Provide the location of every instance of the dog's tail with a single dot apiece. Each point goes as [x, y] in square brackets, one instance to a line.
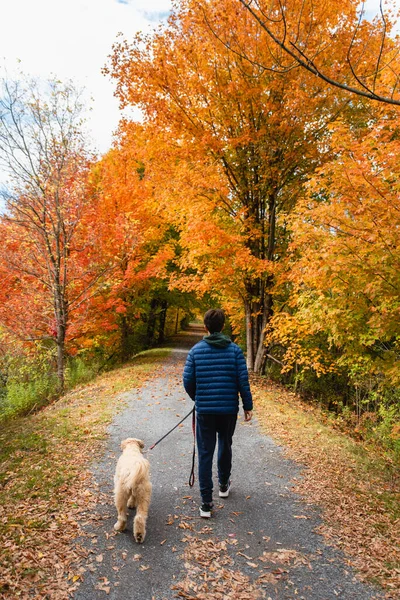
[135, 476]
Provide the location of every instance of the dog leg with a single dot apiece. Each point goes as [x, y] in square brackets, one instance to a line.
[121, 498]
[142, 510]
[139, 528]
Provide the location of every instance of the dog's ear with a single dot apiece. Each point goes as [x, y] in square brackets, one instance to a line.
[140, 444]
[124, 444]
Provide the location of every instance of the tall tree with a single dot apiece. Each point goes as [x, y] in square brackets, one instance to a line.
[240, 142]
[42, 149]
[136, 236]
[347, 256]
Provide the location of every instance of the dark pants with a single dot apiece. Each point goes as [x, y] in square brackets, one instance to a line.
[207, 428]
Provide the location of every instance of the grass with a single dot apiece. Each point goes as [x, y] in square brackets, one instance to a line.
[44, 483]
[356, 486]
[36, 388]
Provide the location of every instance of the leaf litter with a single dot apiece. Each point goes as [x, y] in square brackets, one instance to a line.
[210, 574]
[356, 518]
[41, 519]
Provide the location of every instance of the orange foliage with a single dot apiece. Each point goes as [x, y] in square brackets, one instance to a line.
[229, 147]
[131, 236]
[347, 251]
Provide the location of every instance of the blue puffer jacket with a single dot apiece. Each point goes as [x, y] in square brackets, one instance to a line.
[214, 375]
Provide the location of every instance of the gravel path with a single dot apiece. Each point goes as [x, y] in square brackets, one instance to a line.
[261, 542]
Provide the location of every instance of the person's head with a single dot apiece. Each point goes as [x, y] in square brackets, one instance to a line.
[214, 320]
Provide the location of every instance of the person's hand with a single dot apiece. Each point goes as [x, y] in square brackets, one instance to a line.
[248, 415]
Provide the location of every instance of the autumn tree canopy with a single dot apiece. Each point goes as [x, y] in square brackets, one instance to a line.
[247, 136]
[346, 254]
[333, 41]
[49, 268]
[252, 179]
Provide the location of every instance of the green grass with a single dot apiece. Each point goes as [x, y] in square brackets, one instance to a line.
[28, 444]
[25, 397]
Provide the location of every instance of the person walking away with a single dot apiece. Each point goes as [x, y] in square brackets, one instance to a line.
[215, 374]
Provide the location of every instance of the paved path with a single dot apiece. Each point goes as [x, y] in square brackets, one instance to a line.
[261, 543]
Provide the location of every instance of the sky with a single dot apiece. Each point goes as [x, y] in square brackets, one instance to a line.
[71, 39]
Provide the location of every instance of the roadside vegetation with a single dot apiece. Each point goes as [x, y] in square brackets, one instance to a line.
[45, 480]
[355, 483]
[46, 485]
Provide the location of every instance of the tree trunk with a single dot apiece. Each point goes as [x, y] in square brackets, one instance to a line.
[61, 319]
[261, 349]
[151, 322]
[125, 333]
[249, 337]
[60, 357]
[258, 306]
[163, 317]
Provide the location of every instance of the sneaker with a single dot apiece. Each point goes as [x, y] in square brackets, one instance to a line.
[224, 490]
[205, 510]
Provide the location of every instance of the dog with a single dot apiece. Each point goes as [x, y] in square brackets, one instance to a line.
[132, 487]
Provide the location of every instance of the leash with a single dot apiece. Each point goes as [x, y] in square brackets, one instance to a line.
[192, 412]
[191, 476]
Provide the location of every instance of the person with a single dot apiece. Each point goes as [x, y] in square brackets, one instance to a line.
[214, 375]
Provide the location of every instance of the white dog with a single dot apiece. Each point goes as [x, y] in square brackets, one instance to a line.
[132, 487]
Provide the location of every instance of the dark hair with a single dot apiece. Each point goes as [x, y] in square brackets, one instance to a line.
[214, 320]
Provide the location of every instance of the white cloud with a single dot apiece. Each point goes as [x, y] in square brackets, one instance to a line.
[72, 40]
[372, 7]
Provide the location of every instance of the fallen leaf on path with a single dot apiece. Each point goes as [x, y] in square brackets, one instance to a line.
[184, 525]
[104, 588]
[267, 578]
[245, 555]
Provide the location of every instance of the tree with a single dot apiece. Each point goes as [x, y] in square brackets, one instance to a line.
[331, 42]
[346, 259]
[43, 151]
[138, 239]
[234, 140]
